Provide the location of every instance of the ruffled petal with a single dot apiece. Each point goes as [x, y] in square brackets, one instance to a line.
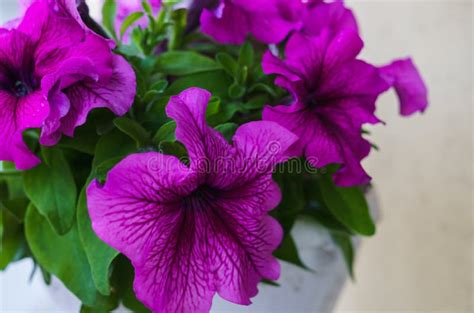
[409, 86]
[273, 65]
[60, 106]
[53, 35]
[332, 16]
[354, 88]
[116, 93]
[231, 21]
[265, 143]
[228, 23]
[337, 138]
[208, 151]
[270, 28]
[17, 115]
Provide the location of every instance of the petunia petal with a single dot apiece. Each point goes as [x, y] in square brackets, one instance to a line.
[207, 148]
[409, 86]
[52, 35]
[270, 28]
[273, 65]
[333, 16]
[115, 93]
[266, 143]
[186, 242]
[17, 115]
[228, 23]
[140, 195]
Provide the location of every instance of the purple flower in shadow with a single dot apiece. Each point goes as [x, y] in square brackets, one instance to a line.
[269, 21]
[193, 231]
[320, 16]
[53, 72]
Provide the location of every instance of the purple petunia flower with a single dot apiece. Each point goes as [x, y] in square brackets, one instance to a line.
[53, 72]
[334, 95]
[269, 21]
[401, 74]
[194, 231]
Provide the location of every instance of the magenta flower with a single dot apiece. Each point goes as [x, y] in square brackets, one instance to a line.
[53, 72]
[334, 95]
[194, 231]
[269, 21]
[333, 16]
[401, 74]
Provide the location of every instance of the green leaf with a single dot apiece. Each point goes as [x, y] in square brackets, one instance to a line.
[179, 18]
[264, 88]
[180, 63]
[327, 220]
[225, 113]
[227, 130]
[242, 75]
[62, 256]
[155, 115]
[317, 209]
[85, 139]
[174, 148]
[11, 237]
[236, 91]
[134, 131]
[3, 190]
[165, 133]
[112, 145]
[293, 200]
[216, 82]
[129, 20]
[9, 173]
[52, 189]
[270, 283]
[344, 242]
[228, 63]
[101, 171]
[348, 205]
[160, 85]
[150, 96]
[99, 254]
[147, 8]
[246, 55]
[109, 11]
[123, 280]
[287, 251]
[17, 207]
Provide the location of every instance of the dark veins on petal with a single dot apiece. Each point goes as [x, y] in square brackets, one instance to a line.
[200, 199]
[17, 77]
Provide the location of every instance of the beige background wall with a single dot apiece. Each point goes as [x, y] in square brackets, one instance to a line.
[421, 260]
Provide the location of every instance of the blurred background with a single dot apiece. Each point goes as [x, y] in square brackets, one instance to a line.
[421, 259]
